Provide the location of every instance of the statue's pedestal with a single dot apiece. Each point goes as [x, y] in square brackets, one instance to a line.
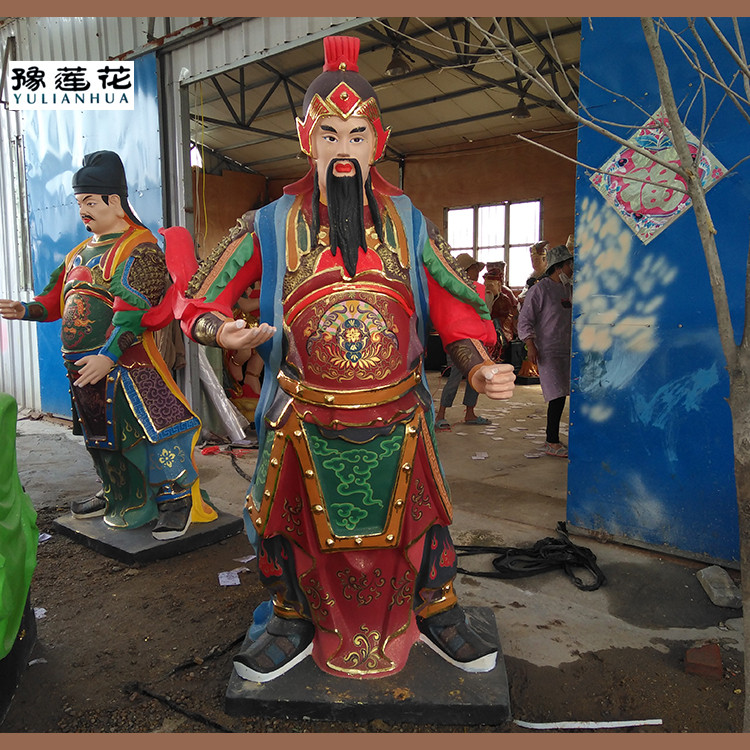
[428, 690]
[137, 545]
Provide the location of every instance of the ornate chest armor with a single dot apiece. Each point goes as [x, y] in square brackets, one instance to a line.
[351, 401]
[349, 361]
[87, 312]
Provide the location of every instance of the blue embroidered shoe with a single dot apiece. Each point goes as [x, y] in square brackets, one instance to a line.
[283, 645]
[451, 637]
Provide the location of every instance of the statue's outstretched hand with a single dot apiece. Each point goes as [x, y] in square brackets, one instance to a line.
[495, 381]
[235, 335]
[11, 310]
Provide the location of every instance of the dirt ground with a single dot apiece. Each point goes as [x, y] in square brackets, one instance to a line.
[149, 648]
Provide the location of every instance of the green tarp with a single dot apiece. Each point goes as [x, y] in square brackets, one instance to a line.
[18, 531]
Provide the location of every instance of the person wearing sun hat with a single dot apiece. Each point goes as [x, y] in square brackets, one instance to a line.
[545, 325]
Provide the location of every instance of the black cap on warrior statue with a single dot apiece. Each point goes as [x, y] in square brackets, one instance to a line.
[102, 173]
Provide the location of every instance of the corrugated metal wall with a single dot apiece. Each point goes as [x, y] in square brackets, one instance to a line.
[91, 38]
[250, 40]
[19, 366]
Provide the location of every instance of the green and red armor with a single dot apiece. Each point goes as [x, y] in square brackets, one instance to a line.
[348, 502]
[136, 423]
[348, 508]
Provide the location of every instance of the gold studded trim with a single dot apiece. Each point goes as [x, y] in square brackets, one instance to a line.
[294, 433]
[260, 515]
[83, 292]
[374, 287]
[402, 250]
[296, 245]
[360, 398]
[314, 416]
[440, 487]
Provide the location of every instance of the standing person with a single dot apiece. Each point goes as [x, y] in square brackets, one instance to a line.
[472, 268]
[138, 427]
[545, 325]
[527, 371]
[348, 510]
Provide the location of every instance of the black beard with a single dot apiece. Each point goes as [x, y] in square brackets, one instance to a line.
[346, 214]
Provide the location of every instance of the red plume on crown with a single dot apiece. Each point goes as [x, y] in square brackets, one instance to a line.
[341, 53]
[340, 91]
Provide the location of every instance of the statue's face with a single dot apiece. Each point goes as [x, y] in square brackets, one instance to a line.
[98, 216]
[539, 262]
[349, 140]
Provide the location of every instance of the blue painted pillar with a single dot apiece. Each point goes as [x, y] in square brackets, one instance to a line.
[651, 455]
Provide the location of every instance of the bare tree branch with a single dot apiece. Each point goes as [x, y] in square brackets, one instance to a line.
[530, 72]
[697, 194]
[735, 165]
[692, 58]
[743, 56]
[589, 167]
[717, 77]
[741, 63]
[635, 104]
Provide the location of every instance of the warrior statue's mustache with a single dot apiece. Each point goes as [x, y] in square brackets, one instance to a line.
[346, 214]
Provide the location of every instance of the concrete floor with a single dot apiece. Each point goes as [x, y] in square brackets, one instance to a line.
[504, 499]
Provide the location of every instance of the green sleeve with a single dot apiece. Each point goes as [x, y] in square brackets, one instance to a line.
[140, 282]
[441, 265]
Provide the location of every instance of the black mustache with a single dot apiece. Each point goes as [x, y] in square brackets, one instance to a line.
[346, 214]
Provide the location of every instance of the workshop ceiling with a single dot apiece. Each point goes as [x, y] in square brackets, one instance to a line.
[456, 91]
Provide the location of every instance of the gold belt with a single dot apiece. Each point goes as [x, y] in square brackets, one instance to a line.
[358, 398]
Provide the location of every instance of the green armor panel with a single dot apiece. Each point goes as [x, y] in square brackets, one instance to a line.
[356, 481]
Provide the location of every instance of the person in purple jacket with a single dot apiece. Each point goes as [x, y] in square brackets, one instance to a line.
[545, 325]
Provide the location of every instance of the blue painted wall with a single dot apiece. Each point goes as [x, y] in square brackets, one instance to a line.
[55, 143]
[651, 455]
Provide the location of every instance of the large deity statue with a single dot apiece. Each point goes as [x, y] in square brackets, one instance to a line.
[348, 509]
[138, 427]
